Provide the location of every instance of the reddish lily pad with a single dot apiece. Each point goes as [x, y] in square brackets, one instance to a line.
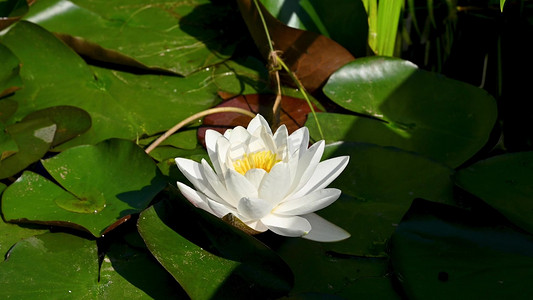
[293, 113]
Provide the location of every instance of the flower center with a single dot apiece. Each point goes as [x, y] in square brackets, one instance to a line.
[259, 160]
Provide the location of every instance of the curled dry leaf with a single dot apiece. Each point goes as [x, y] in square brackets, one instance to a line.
[311, 56]
[293, 112]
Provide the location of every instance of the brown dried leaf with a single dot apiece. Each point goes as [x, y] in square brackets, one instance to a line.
[311, 56]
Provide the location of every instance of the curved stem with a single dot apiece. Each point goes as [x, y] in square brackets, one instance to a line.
[194, 117]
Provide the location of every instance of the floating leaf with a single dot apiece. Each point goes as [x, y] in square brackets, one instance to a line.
[70, 121]
[12, 233]
[441, 252]
[344, 22]
[505, 183]
[8, 146]
[104, 183]
[311, 56]
[317, 270]
[9, 73]
[133, 273]
[121, 105]
[179, 36]
[378, 187]
[443, 118]
[33, 139]
[209, 258]
[59, 265]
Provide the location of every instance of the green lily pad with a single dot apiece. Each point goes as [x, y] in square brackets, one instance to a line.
[180, 36]
[133, 273]
[103, 183]
[71, 121]
[9, 73]
[379, 185]
[346, 22]
[445, 119]
[505, 183]
[319, 271]
[33, 139]
[441, 252]
[121, 104]
[8, 107]
[59, 265]
[209, 258]
[8, 146]
[12, 233]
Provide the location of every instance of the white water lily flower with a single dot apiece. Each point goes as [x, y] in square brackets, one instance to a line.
[268, 181]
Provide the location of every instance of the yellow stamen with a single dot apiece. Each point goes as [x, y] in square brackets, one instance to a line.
[259, 160]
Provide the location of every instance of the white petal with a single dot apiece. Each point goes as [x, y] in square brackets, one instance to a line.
[193, 171]
[217, 186]
[276, 184]
[257, 122]
[211, 138]
[307, 165]
[221, 147]
[324, 174]
[261, 140]
[197, 199]
[287, 225]
[299, 140]
[220, 210]
[308, 203]
[281, 140]
[255, 176]
[238, 143]
[323, 230]
[238, 186]
[256, 225]
[254, 208]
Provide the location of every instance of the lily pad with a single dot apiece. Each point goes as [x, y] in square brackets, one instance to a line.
[8, 146]
[445, 119]
[441, 252]
[8, 107]
[9, 73]
[33, 139]
[319, 271]
[179, 36]
[211, 259]
[379, 185]
[505, 183]
[71, 121]
[59, 265]
[104, 183]
[121, 104]
[133, 273]
[10, 234]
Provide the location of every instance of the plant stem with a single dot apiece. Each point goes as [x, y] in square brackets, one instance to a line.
[194, 117]
[304, 93]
